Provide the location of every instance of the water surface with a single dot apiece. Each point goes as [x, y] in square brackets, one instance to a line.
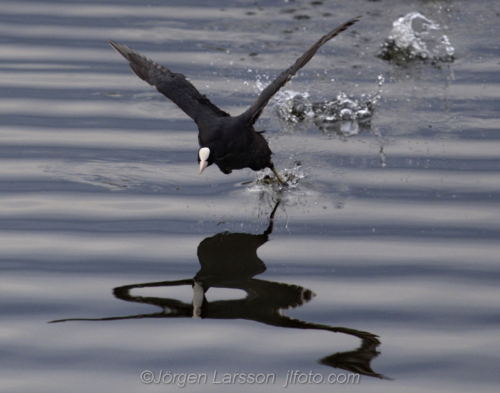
[382, 261]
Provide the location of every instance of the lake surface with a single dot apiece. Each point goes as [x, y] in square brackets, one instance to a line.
[382, 261]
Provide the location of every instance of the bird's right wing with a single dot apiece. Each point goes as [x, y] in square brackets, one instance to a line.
[253, 113]
[174, 86]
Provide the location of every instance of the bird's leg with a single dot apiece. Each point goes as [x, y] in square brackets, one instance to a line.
[280, 179]
[270, 227]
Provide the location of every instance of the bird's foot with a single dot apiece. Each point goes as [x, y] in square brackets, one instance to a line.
[278, 176]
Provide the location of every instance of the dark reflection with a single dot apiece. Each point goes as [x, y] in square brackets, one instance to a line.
[230, 260]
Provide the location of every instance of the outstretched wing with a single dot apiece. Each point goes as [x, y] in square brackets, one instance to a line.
[253, 113]
[174, 86]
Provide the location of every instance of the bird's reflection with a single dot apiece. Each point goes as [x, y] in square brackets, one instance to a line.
[229, 260]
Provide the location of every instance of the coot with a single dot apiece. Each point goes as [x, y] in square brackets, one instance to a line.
[229, 142]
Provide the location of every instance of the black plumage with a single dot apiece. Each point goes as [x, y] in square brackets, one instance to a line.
[229, 142]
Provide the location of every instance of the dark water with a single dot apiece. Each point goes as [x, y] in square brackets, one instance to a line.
[382, 261]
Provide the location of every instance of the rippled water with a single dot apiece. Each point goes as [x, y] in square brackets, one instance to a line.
[381, 260]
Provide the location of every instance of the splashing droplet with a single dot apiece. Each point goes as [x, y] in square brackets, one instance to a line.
[416, 37]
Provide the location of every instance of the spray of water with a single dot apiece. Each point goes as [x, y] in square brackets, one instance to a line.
[416, 37]
[345, 115]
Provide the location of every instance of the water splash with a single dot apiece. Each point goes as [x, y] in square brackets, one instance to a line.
[344, 115]
[293, 106]
[415, 37]
[292, 176]
[298, 192]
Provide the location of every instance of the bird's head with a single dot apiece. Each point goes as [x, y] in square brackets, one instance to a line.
[204, 158]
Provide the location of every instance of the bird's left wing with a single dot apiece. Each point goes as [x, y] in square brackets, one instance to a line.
[174, 86]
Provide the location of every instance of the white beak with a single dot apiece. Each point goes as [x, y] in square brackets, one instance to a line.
[203, 165]
[204, 153]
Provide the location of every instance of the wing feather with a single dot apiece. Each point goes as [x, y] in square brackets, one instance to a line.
[174, 86]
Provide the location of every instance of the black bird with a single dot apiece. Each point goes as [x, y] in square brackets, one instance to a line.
[229, 142]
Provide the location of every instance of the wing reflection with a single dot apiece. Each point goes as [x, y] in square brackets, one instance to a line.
[229, 260]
